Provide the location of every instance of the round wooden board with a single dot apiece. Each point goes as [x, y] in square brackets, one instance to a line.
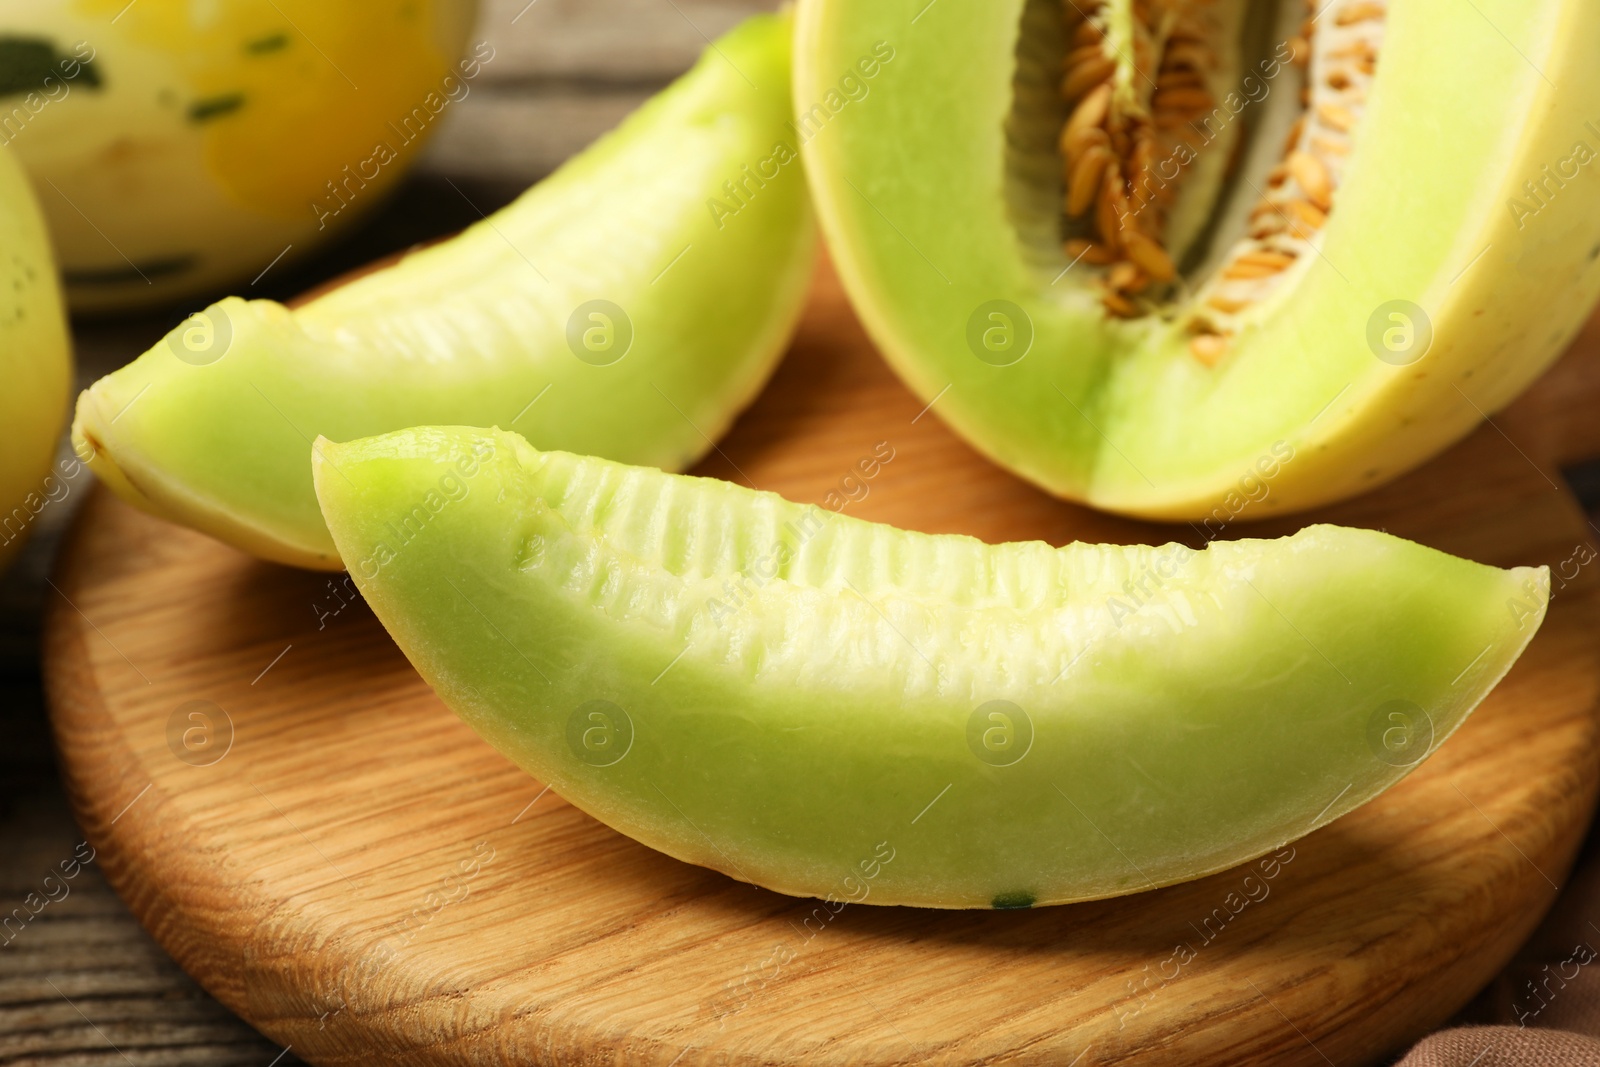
[362, 878]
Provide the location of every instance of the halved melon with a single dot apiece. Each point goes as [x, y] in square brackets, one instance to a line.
[628, 306]
[1141, 250]
[830, 707]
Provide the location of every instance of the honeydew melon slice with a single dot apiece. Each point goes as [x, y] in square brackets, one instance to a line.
[830, 707]
[1427, 247]
[628, 306]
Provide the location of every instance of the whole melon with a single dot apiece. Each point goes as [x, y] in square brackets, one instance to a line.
[35, 363]
[180, 148]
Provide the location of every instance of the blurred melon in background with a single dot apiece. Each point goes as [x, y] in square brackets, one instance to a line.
[35, 363]
[180, 147]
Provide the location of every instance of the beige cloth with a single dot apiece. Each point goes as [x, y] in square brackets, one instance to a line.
[1544, 1009]
[1504, 1046]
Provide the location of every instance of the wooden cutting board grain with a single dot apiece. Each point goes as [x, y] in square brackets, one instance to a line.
[342, 862]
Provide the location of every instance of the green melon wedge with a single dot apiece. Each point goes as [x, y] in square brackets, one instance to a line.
[830, 707]
[212, 427]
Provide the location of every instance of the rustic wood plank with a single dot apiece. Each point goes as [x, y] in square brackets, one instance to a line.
[522, 136]
[565, 71]
[603, 40]
[81, 983]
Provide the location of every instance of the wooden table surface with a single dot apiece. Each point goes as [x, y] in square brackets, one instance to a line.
[83, 984]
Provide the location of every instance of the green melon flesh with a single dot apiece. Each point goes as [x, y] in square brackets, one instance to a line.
[802, 695]
[917, 189]
[476, 330]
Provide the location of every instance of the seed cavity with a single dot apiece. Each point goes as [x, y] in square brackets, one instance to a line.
[1342, 46]
[1139, 77]
[1133, 86]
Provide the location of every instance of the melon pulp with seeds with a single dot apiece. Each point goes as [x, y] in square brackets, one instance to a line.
[831, 707]
[628, 306]
[1140, 251]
